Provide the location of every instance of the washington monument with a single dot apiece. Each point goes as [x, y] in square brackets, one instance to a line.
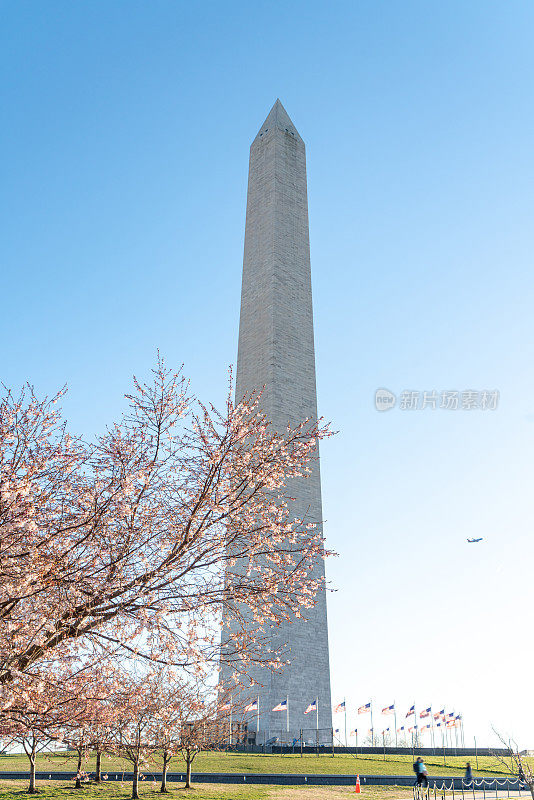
[276, 350]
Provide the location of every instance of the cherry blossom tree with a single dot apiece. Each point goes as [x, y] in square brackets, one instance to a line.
[197, 718]
[91, 717]
[35, 721]
[79, 739]
[142, 704]
[160, 713]
[133, 545]
[101, 739]
[206, 728]
[167, 727]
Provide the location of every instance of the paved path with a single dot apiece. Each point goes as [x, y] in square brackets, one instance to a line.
[306, 779]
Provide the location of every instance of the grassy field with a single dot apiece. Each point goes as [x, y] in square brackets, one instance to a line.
[245, 762]
[56, 790]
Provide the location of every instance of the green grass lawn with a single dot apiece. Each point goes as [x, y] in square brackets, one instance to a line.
[57, 790]
[248, 762]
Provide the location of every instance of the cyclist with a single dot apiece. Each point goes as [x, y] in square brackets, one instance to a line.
[422, 774]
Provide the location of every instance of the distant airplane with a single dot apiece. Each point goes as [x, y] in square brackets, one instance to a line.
[471, 541]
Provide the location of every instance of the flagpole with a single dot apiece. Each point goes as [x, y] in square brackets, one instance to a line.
[230, 720]
[372, 726]
[345, 707]
[395, 718]
[258, 715]
[317, 711]
[287, 714]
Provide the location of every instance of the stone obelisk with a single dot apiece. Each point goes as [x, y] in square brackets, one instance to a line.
[276, 351]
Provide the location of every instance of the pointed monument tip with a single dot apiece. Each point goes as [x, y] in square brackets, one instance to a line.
[278, 118]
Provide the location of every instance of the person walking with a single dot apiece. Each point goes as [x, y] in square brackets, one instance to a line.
[468, 777]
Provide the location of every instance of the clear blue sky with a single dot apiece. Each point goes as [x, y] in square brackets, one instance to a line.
[124, 141]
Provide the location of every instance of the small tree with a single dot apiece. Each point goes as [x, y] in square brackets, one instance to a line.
[386, 739]
[133, 730]
[94, 734]
[205, 731]
[87, 712]
[160, 714]
[101, 742]
[34, 740]
[205, 717]
[145, 712]
[518, 765]
[34, 722]
[80, 741]
[167, 725]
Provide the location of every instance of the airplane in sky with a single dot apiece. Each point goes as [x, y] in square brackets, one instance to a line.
[471, 541]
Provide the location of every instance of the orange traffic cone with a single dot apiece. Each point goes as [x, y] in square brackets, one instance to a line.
[358, 788]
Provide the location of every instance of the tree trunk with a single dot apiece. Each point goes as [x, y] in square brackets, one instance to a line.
[135, 781]
[31, 787]
[188, 762]
[78, 784]
[164, 773]
[98, 768]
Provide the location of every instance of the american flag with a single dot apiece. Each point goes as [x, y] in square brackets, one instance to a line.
[281, 706]
[339, 707]
[354, 732]
[425, 726]
[437, 715]
[311, 707]
[400, 729]
[389, 709]
[225, 707]
[426, 712]
[410, 712]
[413, 728]
[252, 706]
[364, 709]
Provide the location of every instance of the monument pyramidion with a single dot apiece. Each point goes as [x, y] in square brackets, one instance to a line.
[276, 351]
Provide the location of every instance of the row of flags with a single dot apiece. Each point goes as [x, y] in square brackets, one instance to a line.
[418, 728]
[427, 712]
[254, 706]
[449, 720]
